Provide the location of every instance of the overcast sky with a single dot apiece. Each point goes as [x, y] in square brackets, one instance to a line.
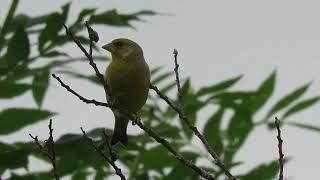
[216, 40]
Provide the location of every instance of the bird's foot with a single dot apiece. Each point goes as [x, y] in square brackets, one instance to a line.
[136, 119]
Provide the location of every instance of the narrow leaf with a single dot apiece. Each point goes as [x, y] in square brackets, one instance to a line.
[288, 99]
[263, 172]
[168, 87]
[13, 159]
[239, 128]
[10, 90]
[91, 78]
[78, 24]
[50, 32]
[54, 24]
[112, 17]
[152, 155]
[155, 70]
[18, 47]
[212, 131]
[263, 93]
[40, 85]
[161, 77]
[219, 86]
[301, 106]
[305, 126]
[13, 119]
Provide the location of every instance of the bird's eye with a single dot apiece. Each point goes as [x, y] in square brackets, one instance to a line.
[118, 44]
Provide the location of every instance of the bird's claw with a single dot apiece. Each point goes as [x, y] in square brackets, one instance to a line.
[136, 119]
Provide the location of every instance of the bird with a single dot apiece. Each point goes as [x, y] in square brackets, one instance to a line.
[128, 79]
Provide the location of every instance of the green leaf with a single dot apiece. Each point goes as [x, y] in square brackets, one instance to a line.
[155, 70]
[219, 86]
[230, 99]
[288, 99]
[50, 32]
[40, 85]
[112, 17]
[54, 24]
[238, 130]
[100, 174]
[91, 78]
[263, 172]
[80, 174]
[305, 126]
[7, 22]
[161, 77]
[13, 119]
[212, 131]
[10, 90]
[191, 106]
[32, 176]
[152, 155]
[55, 54]
[13, 159]
[27, 21]
[78, 24]
[168, 131]
[5, 147]
[68, 159]
[263, 93]
[301, 106]
[18, 48]
[168, 87]
[180, 171]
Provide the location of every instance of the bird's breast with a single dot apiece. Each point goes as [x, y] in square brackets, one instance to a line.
[129, 85]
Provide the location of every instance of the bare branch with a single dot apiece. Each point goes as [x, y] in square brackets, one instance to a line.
[176, 154]
[99, 150]
[185, 119]
[280, 141]
[92, 101]
[90, 58]
[48, 149]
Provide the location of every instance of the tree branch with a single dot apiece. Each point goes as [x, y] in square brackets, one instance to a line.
[92, 101]
[48, 149]
[90, 58]
[99, 150]
[185, 119]
[280, 141]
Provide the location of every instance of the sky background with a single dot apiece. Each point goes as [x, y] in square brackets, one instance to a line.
[216, 40]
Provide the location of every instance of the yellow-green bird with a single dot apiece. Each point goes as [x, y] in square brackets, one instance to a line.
[128, 77]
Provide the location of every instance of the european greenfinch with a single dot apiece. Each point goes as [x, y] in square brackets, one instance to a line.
[128, 77]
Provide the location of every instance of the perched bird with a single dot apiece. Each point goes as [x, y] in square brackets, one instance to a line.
[128, 77]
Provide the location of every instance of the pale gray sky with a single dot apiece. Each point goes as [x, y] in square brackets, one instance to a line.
[216, 40]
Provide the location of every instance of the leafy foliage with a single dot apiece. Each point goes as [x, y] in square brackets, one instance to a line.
[142, 159]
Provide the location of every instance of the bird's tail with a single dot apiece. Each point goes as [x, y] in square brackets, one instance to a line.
[120, 130]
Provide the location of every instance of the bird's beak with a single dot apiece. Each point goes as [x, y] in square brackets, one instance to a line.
[109, 47]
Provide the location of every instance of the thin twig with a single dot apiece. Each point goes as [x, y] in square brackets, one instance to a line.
[178, 108]
[280, 141]
[109, 147]
[176, 71]
[92, 101]
[176, 154]
[90, 58]
[111, 162]
[48, 149]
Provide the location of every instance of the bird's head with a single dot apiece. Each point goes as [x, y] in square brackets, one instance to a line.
[124, 49]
